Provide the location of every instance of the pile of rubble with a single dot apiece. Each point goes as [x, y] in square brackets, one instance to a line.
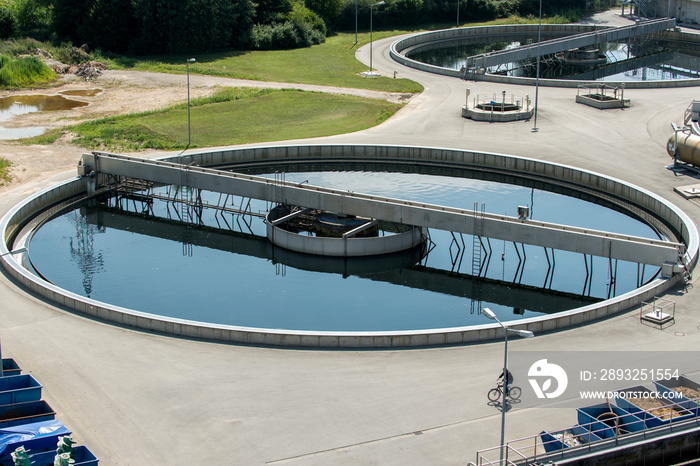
[87, 70]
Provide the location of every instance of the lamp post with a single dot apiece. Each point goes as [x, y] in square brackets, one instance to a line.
[521, 333]
[537, 79]
[371, 8]
[189, 127]
[458, 12]
[355, 22]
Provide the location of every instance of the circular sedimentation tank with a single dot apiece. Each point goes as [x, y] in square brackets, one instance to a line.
[24, 222]
[639, 63]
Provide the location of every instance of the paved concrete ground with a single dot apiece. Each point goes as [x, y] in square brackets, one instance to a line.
[139, 398]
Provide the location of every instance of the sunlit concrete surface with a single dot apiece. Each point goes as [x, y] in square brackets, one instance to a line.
[138, 398]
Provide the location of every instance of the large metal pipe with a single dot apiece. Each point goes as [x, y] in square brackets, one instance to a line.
[686, 146]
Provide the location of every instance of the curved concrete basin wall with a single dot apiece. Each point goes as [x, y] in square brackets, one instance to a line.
[429, 39]
[671, 214]
[343, 247]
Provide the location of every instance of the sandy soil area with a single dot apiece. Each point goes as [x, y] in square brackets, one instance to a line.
[122, 92]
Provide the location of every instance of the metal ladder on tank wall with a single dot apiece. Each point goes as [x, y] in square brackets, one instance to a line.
[476, 302]
[476, 238]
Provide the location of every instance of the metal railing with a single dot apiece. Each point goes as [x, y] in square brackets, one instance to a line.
[601, 89]
[499, 100]
[533, 448]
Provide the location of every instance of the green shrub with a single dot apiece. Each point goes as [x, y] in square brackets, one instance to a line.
[8, 22]
[24, 72]
[301, 15]
[66, 53]
[34, 19]
[287, 35]
[15, 47]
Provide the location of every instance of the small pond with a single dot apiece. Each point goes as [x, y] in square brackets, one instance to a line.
[12, 106]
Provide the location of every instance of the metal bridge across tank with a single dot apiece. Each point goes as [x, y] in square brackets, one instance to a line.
[548, 235]
[548, 47]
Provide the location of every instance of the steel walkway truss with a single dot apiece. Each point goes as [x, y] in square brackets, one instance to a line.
[524, 231]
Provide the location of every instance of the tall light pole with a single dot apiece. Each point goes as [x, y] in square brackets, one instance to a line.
[521, 333]
[371, 8]
[189, 127]
[537, 79]
[458, 13]
[355, 22]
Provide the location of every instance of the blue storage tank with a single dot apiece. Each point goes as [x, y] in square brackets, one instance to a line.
[10, 368]
[552, 443]
[19, 389]
[601, 421]
[691, 404]
[25, 413]
[651, 417]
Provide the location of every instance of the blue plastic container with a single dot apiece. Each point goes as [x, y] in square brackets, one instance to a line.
[37, 437]
[552, 444]
[81, 455]
[665, 386]
[25, 413]
[19, 389]
[600, 422]
[648, 416]
[10, 368]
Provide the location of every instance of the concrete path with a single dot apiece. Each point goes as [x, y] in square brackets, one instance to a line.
[137, 398]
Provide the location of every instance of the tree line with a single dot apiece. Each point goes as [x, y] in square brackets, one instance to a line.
[187, 26]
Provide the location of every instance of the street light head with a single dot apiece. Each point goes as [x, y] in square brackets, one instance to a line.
[488, 313]
[191, 60]
[379, 3]
[522, 333]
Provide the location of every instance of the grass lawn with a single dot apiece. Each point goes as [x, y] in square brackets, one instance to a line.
[332, 63]
[237, 116]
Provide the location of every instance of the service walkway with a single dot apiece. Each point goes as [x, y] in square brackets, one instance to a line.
[139, 398]
[502, 227]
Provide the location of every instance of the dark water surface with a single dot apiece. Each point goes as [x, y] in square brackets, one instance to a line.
[224, 271]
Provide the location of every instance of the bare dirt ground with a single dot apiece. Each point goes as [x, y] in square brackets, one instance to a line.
[122, 92]
[119, 95]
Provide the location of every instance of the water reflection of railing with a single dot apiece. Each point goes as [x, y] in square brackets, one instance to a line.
[400, 269]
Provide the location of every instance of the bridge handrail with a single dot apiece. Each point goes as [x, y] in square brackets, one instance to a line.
[620, 32]
[486, 216]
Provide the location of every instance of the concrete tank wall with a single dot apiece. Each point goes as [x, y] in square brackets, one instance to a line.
[399, 47]
[342, 247]
[664, 209]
